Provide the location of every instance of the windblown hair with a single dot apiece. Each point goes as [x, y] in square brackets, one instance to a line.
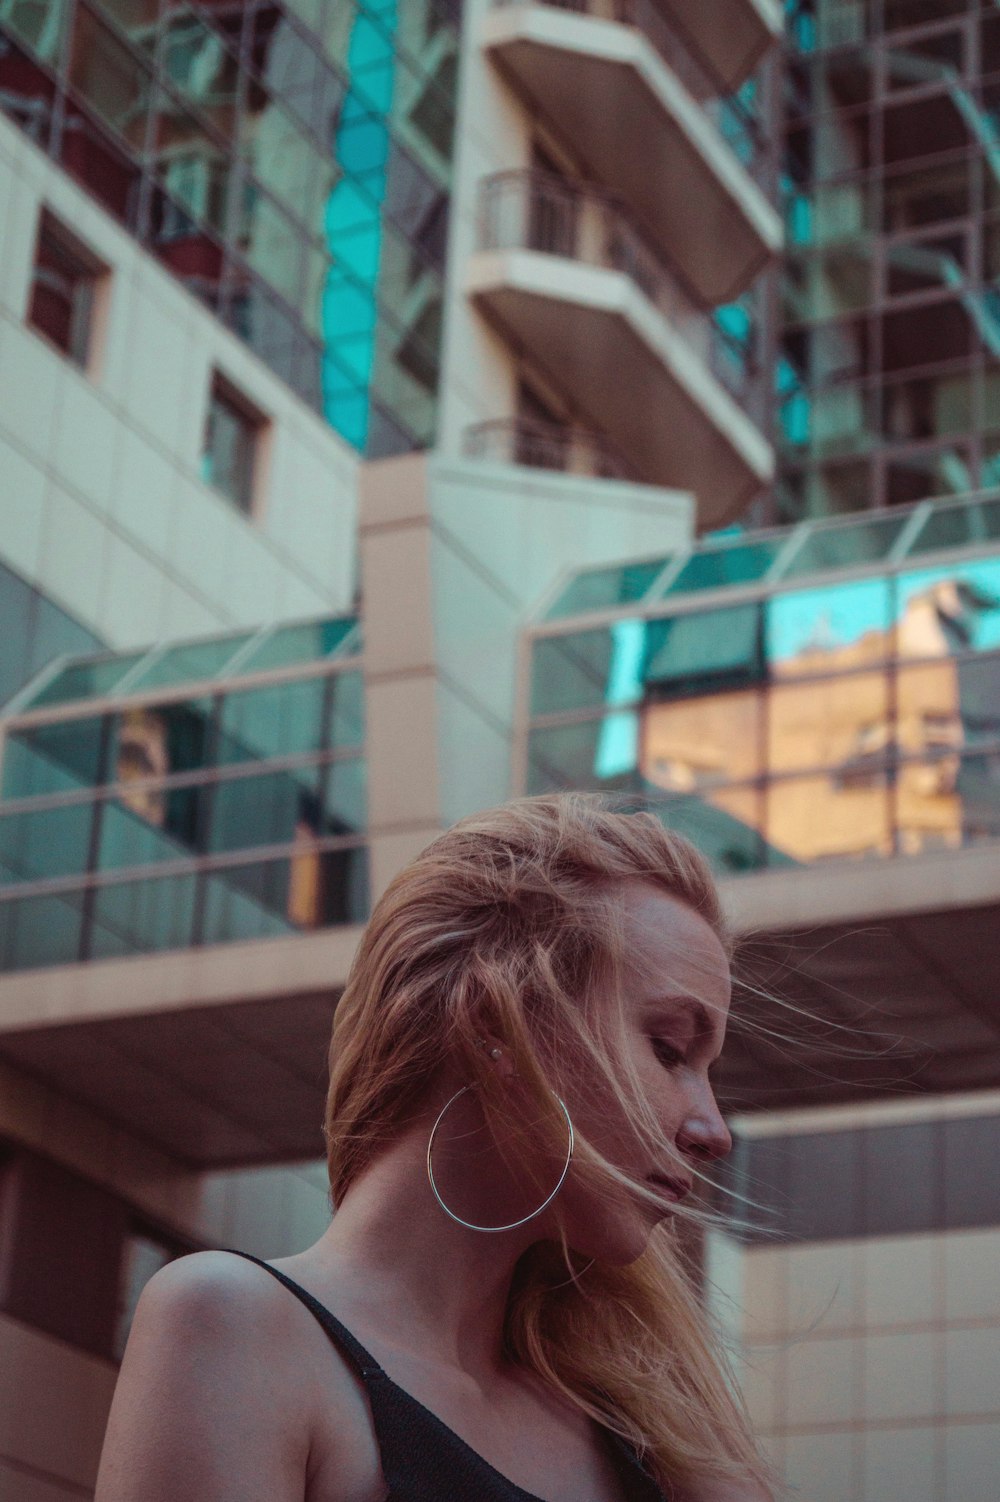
[511, 923]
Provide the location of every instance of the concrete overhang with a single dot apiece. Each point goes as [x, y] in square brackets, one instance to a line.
[216, 1056]
[731, 35]
[631, 371]
[640, 133]
[895, 963]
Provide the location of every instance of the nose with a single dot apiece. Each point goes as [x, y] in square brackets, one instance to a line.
[704, 1133]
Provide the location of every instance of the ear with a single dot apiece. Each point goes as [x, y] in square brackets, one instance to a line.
[499, 1055]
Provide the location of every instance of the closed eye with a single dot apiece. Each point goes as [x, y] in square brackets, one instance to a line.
[669, 1056]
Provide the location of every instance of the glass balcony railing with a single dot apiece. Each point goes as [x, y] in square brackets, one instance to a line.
[209, 791]
[829, 692]
[532, 210]
[733, 115]
[541, 445]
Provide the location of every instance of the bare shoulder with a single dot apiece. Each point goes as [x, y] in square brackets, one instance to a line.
[216, 1394]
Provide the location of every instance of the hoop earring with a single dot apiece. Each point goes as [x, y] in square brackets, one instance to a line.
[514, 1223]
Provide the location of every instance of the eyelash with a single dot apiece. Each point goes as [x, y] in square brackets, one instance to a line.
[669, 1056]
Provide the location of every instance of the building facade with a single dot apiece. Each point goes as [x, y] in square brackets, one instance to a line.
[386, 393]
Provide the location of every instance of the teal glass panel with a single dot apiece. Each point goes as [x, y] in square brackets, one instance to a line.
[279, 719]
[347, 709]
[56, 758]
[691, 654]
[950, 609]
[86, 678]
[844, 546]
[38, 843]
[977, 788]
[314, 889]
[714, 568]
[979, 698]
[830, 628]
[603, 588]
[275, 808]
[732, 844]
[189, 661]
[347, 796]
[958, 527]
[598, 753]
[570, 672]
[307, 641]
[148, 825]
[138, 917]
[39, 931]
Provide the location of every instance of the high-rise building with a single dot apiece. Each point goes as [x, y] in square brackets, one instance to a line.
[387, 391]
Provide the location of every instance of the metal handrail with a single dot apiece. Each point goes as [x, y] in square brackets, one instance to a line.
[533, 210]
[542, 445]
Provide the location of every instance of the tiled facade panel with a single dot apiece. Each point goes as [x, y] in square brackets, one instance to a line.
[103, 506]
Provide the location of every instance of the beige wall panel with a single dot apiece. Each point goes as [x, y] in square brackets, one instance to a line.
[902, 1280]
[901, 1376]
[402, 751]
[900, 1465]
[822, 1385]
[972, 1274]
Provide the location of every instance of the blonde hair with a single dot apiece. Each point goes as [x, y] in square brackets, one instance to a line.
[508, 923]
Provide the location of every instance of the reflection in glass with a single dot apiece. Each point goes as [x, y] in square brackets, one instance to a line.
[843, 814]
[274, 808]
[279, 719]
[602, 588]
[347, 796]
[304, 642]
[160, 824]
[703, 651]
[830, 629]
[38, 931]
[693, 742]
[55, 758]
[738, 563]
[136, 917]
[37, 843]
[840, 722]
[90, 678]
[189, 661]
[863, 541]
[269, 898]
[949, 609]
[347, 709]
[978, 788]
[566, 756]
[725, 826]
[570, 672]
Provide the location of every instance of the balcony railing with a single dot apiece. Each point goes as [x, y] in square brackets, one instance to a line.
[532, 210]
[542, 445]
[730, 113]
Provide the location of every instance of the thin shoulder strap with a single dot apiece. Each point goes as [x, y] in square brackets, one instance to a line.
[361, 1359]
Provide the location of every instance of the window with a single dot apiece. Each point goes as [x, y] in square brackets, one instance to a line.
[63, 290]
[144, 1253]
[232, 440]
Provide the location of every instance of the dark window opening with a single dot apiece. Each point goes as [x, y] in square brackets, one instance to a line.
[63, 284]
[229, 454]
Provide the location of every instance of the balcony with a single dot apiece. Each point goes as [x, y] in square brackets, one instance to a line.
[183, 874]
[730, 36]
[618, 80]
[564, 273]
[543, 445]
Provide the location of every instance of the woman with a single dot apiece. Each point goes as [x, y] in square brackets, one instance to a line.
[519, 1105]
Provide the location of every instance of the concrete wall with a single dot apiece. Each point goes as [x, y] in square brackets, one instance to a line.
[101, 503]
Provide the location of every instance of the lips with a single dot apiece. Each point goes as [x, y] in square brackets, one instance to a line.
[674, 1189]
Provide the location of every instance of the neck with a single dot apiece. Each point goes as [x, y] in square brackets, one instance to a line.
[405, 1267]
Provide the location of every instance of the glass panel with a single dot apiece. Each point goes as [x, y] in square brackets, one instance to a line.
[829, 629]
[273, 809]
[922, 475]
[347, 709]
[155, 740]
[313, 889]
[40, 931]
[839, 722]
[135, 917]
[347, 796]
[696, 742]
[190, 661]
[978, 790]
[91, 678]
[739, 563]
[279, 719]
[572, 672]
[53, 758]
[595, 753]
[712, 649]
[829, 817]
[949, 609]
[45, 842]
[725, 825]
[958, 526]
[110, 77]
[843, 546]
[601, 588]
[304, 642]
[151, 824]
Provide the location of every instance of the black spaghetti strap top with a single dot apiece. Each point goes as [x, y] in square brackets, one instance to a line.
[422, 1459]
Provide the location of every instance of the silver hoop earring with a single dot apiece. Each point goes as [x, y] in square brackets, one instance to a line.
[514, 1223]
